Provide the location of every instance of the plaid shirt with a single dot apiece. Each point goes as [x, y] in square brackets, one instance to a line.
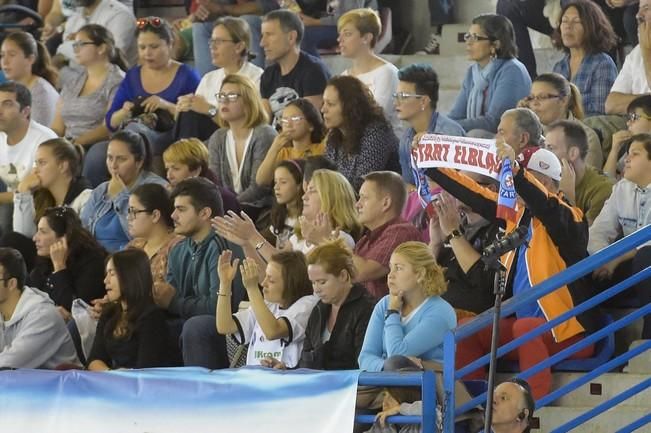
[594, 80]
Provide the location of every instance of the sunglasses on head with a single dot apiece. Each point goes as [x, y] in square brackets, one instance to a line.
[155, 22]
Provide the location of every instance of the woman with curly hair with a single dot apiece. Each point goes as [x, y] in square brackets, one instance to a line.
[360, 139]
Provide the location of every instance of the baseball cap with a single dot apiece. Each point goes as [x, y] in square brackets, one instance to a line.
[545, 162]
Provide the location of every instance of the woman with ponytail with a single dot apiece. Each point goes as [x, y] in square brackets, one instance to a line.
[55, 181]
[554, 98]
[87, 94]
[28, 62]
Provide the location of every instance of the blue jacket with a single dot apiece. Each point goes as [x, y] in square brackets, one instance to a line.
[510, 83]
[421, 337]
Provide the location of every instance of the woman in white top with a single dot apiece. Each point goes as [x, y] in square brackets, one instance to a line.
[229, 49]
[359, 30]
[274, 324]
[27, 61]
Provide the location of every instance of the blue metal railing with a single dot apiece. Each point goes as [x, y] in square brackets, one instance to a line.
[450, 374]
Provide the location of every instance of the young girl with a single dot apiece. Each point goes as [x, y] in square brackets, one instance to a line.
[288, 203]
[274, 325]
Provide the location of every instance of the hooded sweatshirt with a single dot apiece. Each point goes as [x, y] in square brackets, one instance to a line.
[35, 336]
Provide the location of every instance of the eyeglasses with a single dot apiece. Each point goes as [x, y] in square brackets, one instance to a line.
[59, 211]
[6, 279]
[215, 42]
[632, 117]
[401, 96]
[571, 23]
[540, 98]
[292, 119]
[474, 37]
[77, 45]
[132, 212]
[155, 22]
[227, 97]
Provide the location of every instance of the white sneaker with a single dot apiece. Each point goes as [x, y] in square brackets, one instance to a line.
[433, 46]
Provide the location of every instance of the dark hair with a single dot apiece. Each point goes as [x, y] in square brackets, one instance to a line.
[157, 26]
[23, 95]
[99, 35]
[359, 110]
[564, 88]
[289, 22]
[203, 193]
[133, 271]
[42, 65]
[575, 135]
[642, 102]
[155, 197]
[14, 266]
[314, 163]
[529, 402]
[598, 34]
[279, 211]
[296, 282]
[499, 29]
[64, 221]
[23, 244]
[312, 116]
[425, 79]
[138, 146]
[390, 183]
[645, 139]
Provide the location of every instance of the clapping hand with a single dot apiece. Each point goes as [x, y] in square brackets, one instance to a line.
[448, 213]
[318, 230]
[250, 275]
[225, 269]
[239, 229]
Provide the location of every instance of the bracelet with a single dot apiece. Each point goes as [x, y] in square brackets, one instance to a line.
[223, 294]
[260, 244]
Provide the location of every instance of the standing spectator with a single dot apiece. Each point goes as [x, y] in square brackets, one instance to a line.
[131, 332]
[496, 81]
[359, 30]
[586, 36]
[360, 140]
[27, 62]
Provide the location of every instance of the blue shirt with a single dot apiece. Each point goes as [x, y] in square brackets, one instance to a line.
[521, 282]
[109, 232]
[594, 79]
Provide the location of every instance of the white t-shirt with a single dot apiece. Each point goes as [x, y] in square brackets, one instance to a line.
[383, 83]
[286, 350]
[632, 79]
[212, 81]
[17, 160]
[305, 247]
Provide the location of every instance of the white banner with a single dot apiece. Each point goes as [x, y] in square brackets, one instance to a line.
[477, 155]
[178, 400]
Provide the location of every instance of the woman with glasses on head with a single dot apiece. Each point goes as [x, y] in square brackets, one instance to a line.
[586, 36]
[301, 137]
[87, 94]
[230, 51]
[554, 98]
[495, 82]
[238, 148]
[27, 61]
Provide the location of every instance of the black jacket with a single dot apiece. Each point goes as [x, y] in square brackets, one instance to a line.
[341, 351]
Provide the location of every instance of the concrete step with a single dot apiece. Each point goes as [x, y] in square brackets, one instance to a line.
[451, 40]
[608, 422]
[641, 364]
[601, 389]
[466, 10]
[625, 336]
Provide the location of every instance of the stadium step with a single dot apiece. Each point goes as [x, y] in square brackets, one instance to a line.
[601, 389]
[641, 364]
[610, 421]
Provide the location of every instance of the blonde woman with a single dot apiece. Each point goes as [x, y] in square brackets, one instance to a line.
[413, 318]
[241, 143]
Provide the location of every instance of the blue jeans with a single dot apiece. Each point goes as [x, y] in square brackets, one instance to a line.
[201, 34]
[316, 37]
[201, 345]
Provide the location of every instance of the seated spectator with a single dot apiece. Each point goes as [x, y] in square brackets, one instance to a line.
[70, 262]
[229, 49]
[19, 139]
[113, 15]
[131, 331]
[495, 82]
[55, 181]
[274, 324]
[556, 231]
[288, 201]
[382, 197]
[586, 36]
[189, 157]
[553, 98]
[623, 213]
[26, 61]
[359, 30]
[521, 129]
[146, 98]
[416, 99]
[360, 140]
[87, 95]
[238, 148]
[292, 74]
[32, 332]
[302, 136]
[105, 213]
[190, 292]
[151, 226]
[413, 318]
[638, 122]
[583, 184]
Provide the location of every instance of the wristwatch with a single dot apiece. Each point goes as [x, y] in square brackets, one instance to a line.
[212, 111]
[456, 233]
[390, 312]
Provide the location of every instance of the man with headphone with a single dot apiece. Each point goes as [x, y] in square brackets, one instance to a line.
[513, 407]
